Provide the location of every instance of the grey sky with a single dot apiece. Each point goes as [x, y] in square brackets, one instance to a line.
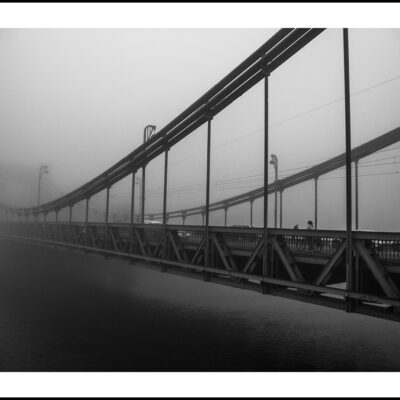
[78, 100]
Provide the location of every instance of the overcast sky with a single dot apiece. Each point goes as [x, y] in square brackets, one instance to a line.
[78, 100]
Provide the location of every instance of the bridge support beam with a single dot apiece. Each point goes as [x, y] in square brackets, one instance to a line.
[107, 213]
[251, 211]
[165, 187]
[266, 267]
[70, 223]
[280, 208]
[87, 222]
[207, 210]
[133, 197]
[356, 191]
[226, 215]
[165, 218]
[143, 194]
[349, 269]
[316, 202]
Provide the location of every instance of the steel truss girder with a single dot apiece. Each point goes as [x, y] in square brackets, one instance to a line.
[194, 270]
[128, 239]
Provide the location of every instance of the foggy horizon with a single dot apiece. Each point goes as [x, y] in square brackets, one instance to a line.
[77, 100]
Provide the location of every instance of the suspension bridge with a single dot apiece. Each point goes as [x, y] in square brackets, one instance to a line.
[353, 270]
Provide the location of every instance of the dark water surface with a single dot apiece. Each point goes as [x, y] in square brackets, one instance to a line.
[62, 311]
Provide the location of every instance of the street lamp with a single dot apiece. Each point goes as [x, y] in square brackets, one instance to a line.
[44, 169]
[138, 180]
[148, 131]
[274, 162]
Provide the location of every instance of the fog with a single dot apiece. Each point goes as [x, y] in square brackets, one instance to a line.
[77, 100]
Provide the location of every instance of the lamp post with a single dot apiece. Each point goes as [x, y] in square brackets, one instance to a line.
[274, 162]
[138, 180]
[147, 133]
[44, 169]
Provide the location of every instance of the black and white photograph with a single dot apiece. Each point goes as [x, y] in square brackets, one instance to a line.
[198, 196]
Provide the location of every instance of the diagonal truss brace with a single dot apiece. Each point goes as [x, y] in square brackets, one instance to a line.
[251, 263]
[141, 243]
[378, 271]
[224, 253]
[288, 262]
[198, 254]
[327, 272]
[178, 247]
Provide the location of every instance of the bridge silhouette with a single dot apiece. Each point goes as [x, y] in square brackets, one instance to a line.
[357, 271]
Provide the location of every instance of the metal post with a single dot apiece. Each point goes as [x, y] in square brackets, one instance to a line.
[132, 232]
[183, 219]
[356, 190]
[143, 193]
[56, 228]
[87, 211]
[349, 272]
[226, 214]
[133, 197]
[274, 162]
[280, 208]
[70, 222]
[87, 221]
[107, 212]
[40, 178]
[165, 203]
[316, 201]
[165, 187]
[276, 205]
[266, 153]
[42, 170]
[148, 131]
[251, 212]
[207, 211]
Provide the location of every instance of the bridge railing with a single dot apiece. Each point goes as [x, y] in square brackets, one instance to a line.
[302, 242]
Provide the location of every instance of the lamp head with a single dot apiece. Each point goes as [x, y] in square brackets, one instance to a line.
[44, 169]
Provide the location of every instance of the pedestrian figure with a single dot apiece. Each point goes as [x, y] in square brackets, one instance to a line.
[310, 241]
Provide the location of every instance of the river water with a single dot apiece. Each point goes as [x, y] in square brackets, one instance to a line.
[63, 311]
